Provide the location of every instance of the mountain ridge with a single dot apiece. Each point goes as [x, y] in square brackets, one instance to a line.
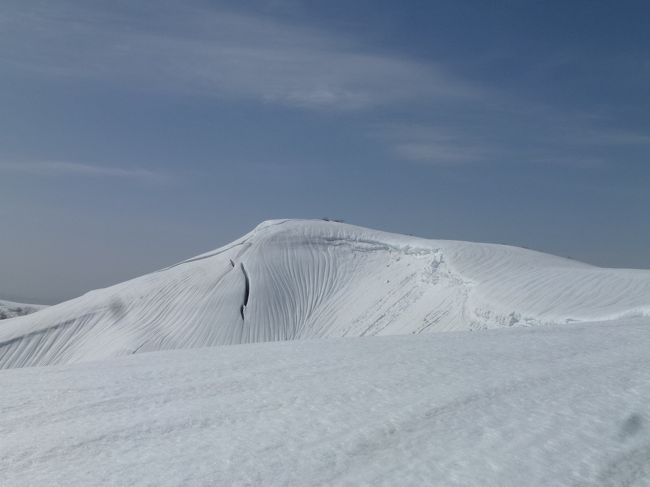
[296, 279]
[11, 309]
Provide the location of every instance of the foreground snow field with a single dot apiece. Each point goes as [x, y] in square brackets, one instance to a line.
[302, 279]
[548, 406]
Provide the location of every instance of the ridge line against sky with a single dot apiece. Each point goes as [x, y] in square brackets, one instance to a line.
[519, 123]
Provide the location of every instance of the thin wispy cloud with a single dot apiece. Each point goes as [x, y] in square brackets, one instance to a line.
[436, 152]
[616, 138]
[54, 168]
[559, 140]
[434, 145]
[165, 47]
[216, 53]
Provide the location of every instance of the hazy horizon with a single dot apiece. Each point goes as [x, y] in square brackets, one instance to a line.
[50, 300]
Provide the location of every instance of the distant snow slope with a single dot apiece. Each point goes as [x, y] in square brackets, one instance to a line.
[9, 309]
[293, 279]
[549, 406]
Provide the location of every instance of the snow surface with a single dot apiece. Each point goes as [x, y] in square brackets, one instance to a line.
[302, 279]
[9, 309]
[548, 406]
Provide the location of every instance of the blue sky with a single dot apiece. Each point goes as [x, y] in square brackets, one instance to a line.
[136, 134]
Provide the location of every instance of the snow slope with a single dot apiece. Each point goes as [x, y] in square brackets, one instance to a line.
[546, 406]
[298, 279]
[9, 309]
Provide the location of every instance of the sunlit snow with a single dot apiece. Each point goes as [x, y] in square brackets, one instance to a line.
[292, 279]
[542, 377]
[552, 406]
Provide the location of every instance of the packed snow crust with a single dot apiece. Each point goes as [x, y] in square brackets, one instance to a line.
[302, 279]
[547, 406]
[10, 309]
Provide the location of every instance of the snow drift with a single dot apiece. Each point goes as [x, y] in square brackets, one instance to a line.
[293, 279]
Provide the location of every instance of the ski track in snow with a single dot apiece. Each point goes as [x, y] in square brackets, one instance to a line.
[306, 279]
[548, 406]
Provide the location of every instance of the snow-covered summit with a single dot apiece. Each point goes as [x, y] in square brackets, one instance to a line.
[295, 279]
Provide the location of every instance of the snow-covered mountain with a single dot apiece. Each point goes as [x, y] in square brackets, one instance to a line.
[297, 279]
[526, 405]
[9, 309]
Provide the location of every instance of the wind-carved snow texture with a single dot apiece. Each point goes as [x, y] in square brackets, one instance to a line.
[293, 279]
